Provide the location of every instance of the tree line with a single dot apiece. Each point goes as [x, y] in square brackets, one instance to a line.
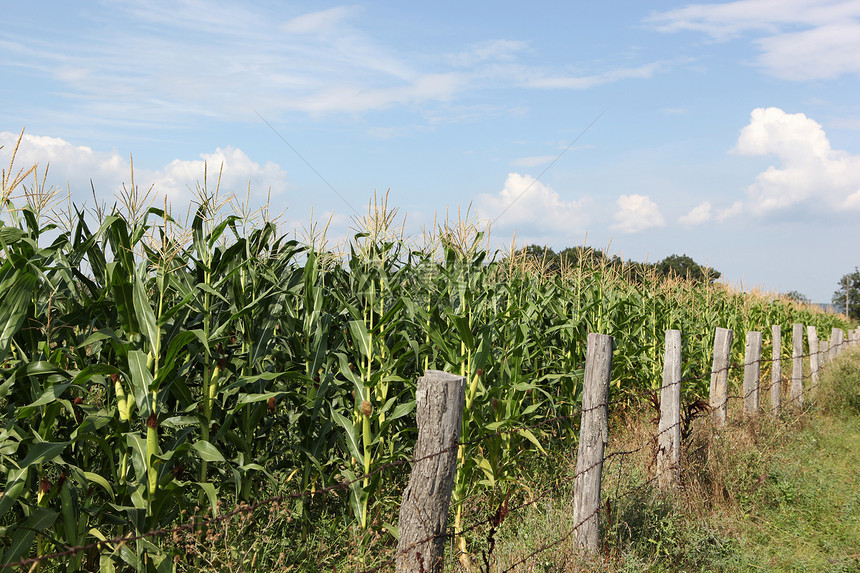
[678, 266]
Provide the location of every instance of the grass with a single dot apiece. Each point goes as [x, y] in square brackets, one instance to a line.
[758, 495]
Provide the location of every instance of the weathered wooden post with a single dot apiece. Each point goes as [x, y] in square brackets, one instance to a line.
[837, 339]
[593, 437]
[834, 343]
[814, 354]
[424, 510]
[720, 375]
[669, 429]
[776, 371]
[752, 372]
[797, 361]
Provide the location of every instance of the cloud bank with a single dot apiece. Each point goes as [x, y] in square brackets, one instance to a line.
[811, 173]
[108, 171]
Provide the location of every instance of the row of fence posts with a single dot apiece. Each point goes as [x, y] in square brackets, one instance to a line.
[439, 413]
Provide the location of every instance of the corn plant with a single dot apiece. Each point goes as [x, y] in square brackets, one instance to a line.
[149, 367]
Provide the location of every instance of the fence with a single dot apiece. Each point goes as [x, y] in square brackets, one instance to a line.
[424, 509]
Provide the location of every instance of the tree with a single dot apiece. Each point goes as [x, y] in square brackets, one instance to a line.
[849, 285]
[684, 267]
[797, 296]
[588, 257]
[541, 257]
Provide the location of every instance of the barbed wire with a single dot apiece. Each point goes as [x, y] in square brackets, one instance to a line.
[562, 483]
[243, 508]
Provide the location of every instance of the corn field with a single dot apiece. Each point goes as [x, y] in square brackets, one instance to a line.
[149, 366]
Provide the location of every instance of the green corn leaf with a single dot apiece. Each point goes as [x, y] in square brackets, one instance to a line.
[16, 479]
[41, 519]
[531, 437]
[357, 494]
[245, 399]
[403, 409]
[462, 325]
[351, 434]
[9, 235]
[360, 336]
[141, 382]
[346, 371]
[95, 478]
[42, 452]
[51, 394]
[207, 451]
[138, 455]
[138, 495]
[13, 309]
[143, 309]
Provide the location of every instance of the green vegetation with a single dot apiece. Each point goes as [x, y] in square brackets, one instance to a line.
[673, 266]
[759, 495]
[153, 372]
[848, 294]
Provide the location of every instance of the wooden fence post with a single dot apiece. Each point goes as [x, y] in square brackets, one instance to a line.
[669, 429]
[424, 509]
[834, 343]
[837, 338]
[720, 375]
[814, 354]
[797, 361]
[776, 371]
[752, 372]
[593, 437]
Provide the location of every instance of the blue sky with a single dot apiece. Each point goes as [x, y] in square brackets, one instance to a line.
[729, 131]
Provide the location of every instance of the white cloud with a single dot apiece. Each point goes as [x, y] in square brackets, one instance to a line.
[698, 215]
[76, 166]
[239, 171]
[637, 213]
[798, 39]
[529, 206]
[732, 210]
[811, 172]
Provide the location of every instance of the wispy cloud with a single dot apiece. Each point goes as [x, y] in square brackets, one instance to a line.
[489, 51]
[581, 82]
[797, 39]
[168, 62]
[533, 161]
